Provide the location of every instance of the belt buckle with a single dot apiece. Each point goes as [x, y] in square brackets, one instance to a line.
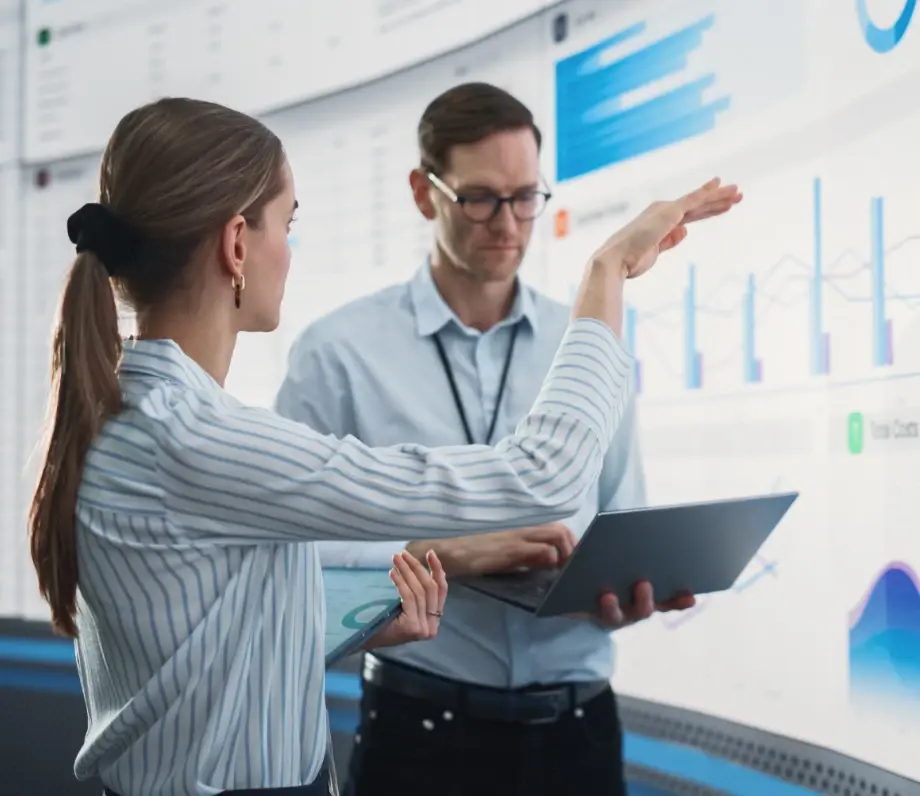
[548, 711]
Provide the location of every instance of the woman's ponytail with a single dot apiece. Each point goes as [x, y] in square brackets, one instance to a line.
[85, 392]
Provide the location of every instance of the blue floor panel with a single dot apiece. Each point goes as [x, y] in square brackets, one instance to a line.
[640, 789]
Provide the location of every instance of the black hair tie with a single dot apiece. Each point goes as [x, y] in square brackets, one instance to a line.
[94, 228]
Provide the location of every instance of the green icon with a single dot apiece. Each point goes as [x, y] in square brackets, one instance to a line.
[44, 37]
[855, 432]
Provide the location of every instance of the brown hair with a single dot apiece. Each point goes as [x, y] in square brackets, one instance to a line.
[466, 114]
[173, 173]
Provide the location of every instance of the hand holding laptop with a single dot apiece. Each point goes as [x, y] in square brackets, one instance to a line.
[542, 547]
[612, 616]
[683, 549]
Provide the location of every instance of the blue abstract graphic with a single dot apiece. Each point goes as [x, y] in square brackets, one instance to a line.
[597, 125]
[883, 40]
[885, 640]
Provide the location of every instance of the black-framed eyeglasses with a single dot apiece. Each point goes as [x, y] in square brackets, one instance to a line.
[481, 208]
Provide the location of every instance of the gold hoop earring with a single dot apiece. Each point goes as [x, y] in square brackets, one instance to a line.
[238, 286]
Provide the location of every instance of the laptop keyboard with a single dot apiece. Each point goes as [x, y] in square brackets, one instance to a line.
[525, 588]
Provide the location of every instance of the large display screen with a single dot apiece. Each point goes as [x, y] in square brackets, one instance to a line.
[778, 348]
[87, 62]
[10, 83]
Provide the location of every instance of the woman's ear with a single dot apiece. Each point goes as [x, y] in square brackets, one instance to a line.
[232, 248]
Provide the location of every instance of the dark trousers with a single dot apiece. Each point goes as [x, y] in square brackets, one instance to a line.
[406, 746]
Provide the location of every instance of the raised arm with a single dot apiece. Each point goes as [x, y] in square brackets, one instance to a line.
[250, 474]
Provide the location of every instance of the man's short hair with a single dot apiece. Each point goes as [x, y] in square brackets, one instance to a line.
[466, 114]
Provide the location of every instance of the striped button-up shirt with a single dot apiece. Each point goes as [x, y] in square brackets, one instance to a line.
[201, 608]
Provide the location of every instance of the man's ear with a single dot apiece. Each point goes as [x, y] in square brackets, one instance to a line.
[421, 192]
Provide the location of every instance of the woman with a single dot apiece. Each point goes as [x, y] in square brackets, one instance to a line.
[171, 527]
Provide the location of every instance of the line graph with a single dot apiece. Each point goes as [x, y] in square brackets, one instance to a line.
[798, 286]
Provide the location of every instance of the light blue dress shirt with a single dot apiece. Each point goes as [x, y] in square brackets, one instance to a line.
[201, 610]
[371, 369]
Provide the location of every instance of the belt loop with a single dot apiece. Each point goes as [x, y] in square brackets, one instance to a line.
[573, 696]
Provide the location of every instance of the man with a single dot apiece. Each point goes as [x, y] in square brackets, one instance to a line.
[500, 702]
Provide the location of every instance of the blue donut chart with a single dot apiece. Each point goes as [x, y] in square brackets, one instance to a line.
[884, 40]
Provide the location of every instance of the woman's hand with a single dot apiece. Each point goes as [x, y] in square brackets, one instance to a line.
[663, 225]
[423, 593]
[634, 249]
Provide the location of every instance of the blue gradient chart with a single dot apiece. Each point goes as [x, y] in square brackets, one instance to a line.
[885, 641]
[596, 127]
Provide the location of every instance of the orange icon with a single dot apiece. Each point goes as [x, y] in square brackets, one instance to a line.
[561, 226]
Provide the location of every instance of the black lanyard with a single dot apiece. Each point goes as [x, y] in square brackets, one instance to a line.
[456, 393]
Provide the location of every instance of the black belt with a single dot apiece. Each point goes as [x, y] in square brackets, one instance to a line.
[534, 705]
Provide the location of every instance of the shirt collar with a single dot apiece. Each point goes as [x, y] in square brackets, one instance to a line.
[432, 313]
[164, 359]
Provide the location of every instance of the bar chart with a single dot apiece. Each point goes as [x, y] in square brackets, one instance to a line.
[631, 319]
[693, 361]
[820, 340]
[882, 343]
[753, 367]
[881, 330]
[855, 281]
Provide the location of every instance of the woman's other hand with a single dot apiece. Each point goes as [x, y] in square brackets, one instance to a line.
[423, 593]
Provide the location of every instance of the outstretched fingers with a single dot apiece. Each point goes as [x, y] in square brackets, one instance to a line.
[710, 199]
[720, 203]
[699, 196]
